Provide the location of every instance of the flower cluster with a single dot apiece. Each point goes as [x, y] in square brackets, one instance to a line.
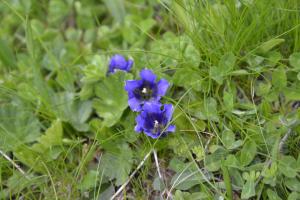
[144, 96]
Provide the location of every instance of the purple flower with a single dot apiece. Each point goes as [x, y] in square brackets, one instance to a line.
[154, 121]
[145, 90]
[118, 62]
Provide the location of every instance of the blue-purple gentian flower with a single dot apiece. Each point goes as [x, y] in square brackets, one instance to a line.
[154, 121]
[118, 62]
[145, 90]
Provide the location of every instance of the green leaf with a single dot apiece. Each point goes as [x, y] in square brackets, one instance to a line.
[288, 166]
[44, 150]
[117, 9]
[272, 195]
[179, 195]
[279, 79]
[6, 55]
[96, 70]
[248, 189]
[267, 46]
[112, 98]
[90, 180]
[212, 162]
[208, 110]
[228, 138]
[228, 99]
[18, 126]
[52, 137]
[293, 184]
[248, 152]
[69, 109]
[192, 75]
[116, 163]
[224, 67]
[295, 60]
[294, 196]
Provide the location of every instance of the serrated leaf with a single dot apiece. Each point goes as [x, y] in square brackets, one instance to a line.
[90, 180]
[248, 152]
[52, 137]
[45, 149]
[111, 98]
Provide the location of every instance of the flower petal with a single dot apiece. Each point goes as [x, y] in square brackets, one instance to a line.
[135, 104]
[152, 107]
[129, 65]
[162, 87]
[118, 61]
[147, 75]
[131, 85]
[171, 128]
[154, 136]
[168, 112]
[139, 124]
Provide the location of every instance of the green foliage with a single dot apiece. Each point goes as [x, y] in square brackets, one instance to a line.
[234, 72]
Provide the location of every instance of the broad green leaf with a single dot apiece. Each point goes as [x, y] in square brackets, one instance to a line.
[292, 93]
[207, 110]
[228, 138]
[90, 180]
[248, 152]
[52, 137]
[262, 88]
[295, 60]
[225, 66]
[187, 179]
[179, 195]
[294, 196]
[18, 126]
[111, 98]
[272, 195]
[279, 79]
[44, 150]
[192, 75]
[57, 11]
[293, 184]
[212, 162]
[6, 55]
[117, 9]
[288, 166]
[69, 109]
[96, 70]
[267, 46]
[117, 163]
[248, 189]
